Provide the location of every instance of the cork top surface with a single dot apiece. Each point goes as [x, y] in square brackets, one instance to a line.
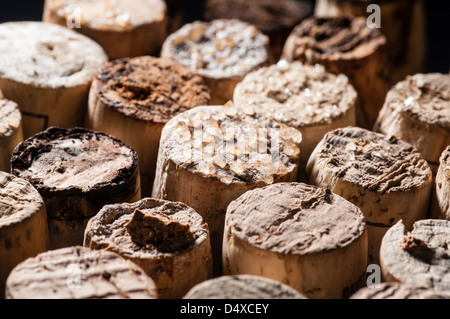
[19, 200]
[232, 144]
[77, 160]
[294, 218]
[150, 89]
[117, 15]
[420, 257]
[47, 55]
[337, 38]
[146, 229]
[10, 118]
[370, 160]
[242, 287]
[79, 273]
[297, 95]
[268, 16]
[395, 290]
[445, 162]
[218, 49]
[423, 97]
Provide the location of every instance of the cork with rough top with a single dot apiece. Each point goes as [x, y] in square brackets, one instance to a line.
[77, 172]
[79, 273]
[221, 51]
[384, 176]
[164, 238]
[440, 208]
[243, 287]
[419, 256]
[11, 133]
[47, 73]
[304, 97]
[395, 290]
[23, 224]
[293, 232]
[134, 98]
[123, 28]
[417, 110]
[345, 45]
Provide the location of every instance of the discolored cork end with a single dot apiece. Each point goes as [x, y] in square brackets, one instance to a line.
[119, 15]
[146, 229]
[219, 49]
[424, 98]
[79, 273]
[232, 144]
[297, 95]
[19, 200]
[420, 257]
[372, 161]
[150, 89]
[76, 161]
[337, 38]
[149, 229]
[10, 118]
[268, 16]
[47, 55]
[295, 219]
[394, 290]
[243, 287]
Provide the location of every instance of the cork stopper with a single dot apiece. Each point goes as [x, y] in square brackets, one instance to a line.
[10, 117]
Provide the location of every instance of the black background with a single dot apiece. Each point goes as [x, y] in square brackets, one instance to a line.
[437, 12]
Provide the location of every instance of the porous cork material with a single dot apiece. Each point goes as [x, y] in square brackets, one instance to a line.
[418, 257]
[149, 89]
[79, 273]
[395, 290]
[11, 133]
[417, 110]
[304, 97]
[293, 232]
[221, 51]
[242, 287]
[162, 237]
[440, 208]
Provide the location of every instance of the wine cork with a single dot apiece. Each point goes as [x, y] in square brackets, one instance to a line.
[419, 257]
[384, 176]
[221, 51]
[11, 133]
[395, 290]
[47, 73]
[417, 110]
[209, 156]
[440, 208]
[304, 97]
[401, 21]
[168, 240]
[275, 18]
[133, 99]
[345, 45]
[123, 28]
[301, 235]
[79, 273]
[243, 287]
[77, 172]
[23, 224]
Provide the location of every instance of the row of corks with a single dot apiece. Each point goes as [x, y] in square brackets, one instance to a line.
[208, 157]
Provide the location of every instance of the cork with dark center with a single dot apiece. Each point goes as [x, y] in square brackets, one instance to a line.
[221, 51]
[79, 273]
[348, 46]
[162, 237]
[418, 257]
[243, 287]
[394, 290]
[23, 224]
[77, 172]
[293, 233]
[417, 110]
[149, 89]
